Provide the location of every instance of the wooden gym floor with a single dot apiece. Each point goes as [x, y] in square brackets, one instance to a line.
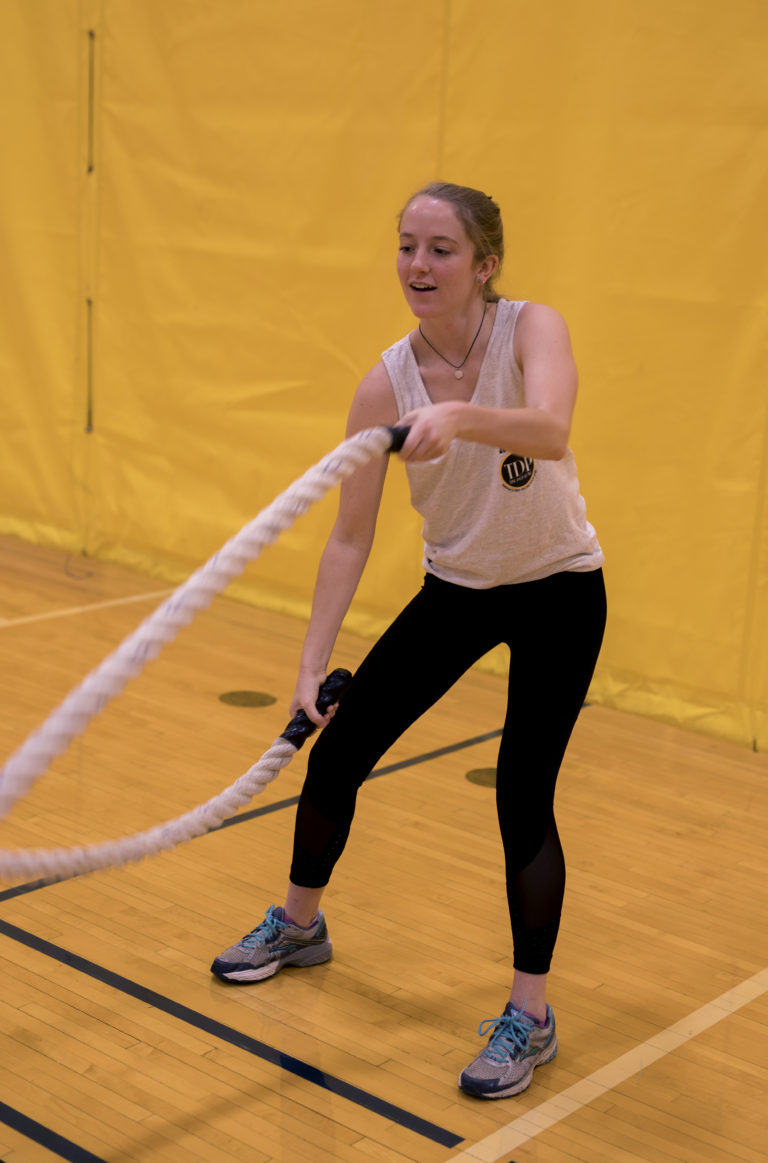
[116, 1044]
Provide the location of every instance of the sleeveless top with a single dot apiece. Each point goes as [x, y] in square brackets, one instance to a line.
[492, 517]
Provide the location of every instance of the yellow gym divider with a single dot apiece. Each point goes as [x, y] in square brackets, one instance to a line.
[198, 228]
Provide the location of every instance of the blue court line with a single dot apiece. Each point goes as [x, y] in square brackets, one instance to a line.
[277, 806]
[47, 1138]
[234, 1037]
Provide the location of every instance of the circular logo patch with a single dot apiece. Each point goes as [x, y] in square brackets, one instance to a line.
[517, 472]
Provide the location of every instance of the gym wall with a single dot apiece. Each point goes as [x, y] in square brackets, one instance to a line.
[198, 204]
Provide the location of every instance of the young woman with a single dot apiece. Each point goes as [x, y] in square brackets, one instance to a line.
[487, 387]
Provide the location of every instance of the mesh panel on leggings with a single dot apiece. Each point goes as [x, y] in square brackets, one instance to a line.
[535, 895]
[318, 844]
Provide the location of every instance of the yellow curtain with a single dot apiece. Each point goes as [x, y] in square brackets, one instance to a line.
[198, 213]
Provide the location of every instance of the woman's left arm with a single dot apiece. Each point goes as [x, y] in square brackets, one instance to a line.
[539, 429]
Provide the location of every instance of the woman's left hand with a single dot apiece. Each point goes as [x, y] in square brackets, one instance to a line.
[431, 430]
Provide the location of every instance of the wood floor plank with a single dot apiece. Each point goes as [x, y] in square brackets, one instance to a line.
[664, 834]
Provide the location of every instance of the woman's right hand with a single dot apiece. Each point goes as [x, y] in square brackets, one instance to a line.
[305, 697]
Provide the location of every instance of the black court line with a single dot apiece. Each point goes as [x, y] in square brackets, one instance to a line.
[47, 1138]
[234, 1037]
[277, 806]
[241, 817]
[23, 889]
[70, 1151]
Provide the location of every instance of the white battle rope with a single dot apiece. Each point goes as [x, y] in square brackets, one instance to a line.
[74, 714]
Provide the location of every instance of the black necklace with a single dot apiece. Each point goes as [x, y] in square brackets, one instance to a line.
[458, 373]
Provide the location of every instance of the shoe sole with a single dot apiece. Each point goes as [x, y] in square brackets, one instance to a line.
[510, 1091]
[302, 959]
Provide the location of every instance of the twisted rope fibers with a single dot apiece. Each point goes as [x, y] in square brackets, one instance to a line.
[104, 683]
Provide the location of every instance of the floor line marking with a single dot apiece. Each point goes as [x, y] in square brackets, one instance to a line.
[234, 1037]
[277, 806]
[574, 1098]
[30, 618]
[377, 772]
[45, 1137]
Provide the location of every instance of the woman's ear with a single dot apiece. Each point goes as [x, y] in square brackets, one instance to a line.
[487, 268]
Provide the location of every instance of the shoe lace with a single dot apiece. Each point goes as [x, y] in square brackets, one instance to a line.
[269, 928]
[510, 1035]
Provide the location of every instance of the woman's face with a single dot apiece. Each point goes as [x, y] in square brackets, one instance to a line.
[436, 261]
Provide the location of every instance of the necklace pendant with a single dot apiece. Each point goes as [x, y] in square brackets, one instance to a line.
[459, 375]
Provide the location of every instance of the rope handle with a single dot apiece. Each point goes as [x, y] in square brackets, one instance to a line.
[399, 436]
[331, 691]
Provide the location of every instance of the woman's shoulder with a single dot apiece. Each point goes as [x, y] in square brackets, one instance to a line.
[537, 321]
[374, 400]
[536, 313]
[541, 332]
[375, 379]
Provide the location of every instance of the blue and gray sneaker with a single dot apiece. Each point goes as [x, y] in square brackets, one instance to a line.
[516, 1046]
[271, 945]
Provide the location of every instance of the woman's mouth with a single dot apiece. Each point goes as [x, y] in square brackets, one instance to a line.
[421, 288]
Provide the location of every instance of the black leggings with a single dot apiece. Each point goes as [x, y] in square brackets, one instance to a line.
[554, 629]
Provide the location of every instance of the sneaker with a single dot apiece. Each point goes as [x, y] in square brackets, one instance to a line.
[516, 1046]
[271, 945]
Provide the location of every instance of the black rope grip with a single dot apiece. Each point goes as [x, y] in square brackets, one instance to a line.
[399, 436]
[332, 690]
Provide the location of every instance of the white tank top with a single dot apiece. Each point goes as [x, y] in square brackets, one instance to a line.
[492, 517]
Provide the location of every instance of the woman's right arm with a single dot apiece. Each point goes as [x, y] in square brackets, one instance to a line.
[348, 546]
